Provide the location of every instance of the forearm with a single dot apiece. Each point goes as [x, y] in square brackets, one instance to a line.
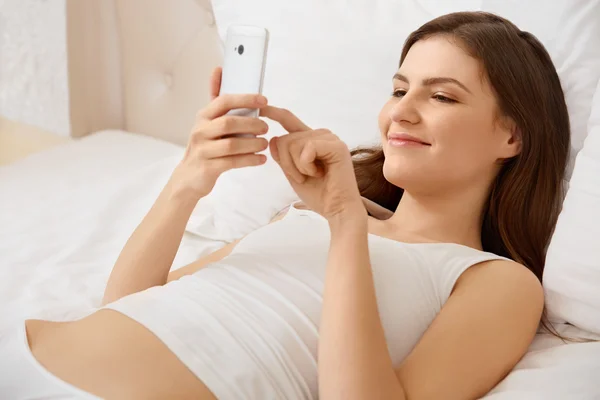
[354, 362]
[147, 257]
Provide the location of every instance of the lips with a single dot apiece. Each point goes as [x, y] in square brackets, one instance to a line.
[401, 138]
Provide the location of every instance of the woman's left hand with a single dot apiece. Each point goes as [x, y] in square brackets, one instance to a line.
[318, 166]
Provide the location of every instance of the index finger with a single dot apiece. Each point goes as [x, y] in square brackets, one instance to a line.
[224, 103]
[286, 119]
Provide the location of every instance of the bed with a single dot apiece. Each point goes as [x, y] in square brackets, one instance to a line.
[67, 211]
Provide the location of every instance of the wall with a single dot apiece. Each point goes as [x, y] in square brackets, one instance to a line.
[33, 63]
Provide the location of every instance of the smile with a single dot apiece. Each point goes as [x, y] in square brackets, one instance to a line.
[405, 140]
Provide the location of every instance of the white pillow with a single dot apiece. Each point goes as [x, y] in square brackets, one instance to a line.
[331, 63]
[572, 274]
[570, 31]
[241, 201]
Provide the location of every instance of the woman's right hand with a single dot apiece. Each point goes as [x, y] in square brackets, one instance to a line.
[211, 150]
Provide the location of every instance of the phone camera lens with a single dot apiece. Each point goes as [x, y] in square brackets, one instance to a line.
[240, 49]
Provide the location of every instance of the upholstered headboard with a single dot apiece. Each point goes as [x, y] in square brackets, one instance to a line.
[139, 65]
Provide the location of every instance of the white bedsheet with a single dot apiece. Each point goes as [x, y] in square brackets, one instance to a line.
[66, 213]
[552, 370]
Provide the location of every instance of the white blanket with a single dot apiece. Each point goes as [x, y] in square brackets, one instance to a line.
[66, 213]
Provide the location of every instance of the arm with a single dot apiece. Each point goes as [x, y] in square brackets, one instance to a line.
[480, 334]
[483, 330]
[354, 362]
[147, 257]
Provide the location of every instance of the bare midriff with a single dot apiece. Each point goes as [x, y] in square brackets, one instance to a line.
[113, 357]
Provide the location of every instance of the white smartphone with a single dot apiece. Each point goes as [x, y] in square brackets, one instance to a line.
[244, 62]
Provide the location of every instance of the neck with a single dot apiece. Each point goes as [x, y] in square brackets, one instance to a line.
[453, 217]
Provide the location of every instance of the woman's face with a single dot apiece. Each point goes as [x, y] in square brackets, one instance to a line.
[441, 98]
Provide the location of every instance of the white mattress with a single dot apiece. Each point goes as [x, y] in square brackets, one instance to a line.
[67, 212]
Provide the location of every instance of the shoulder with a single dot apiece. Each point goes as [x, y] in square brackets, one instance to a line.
[502, 271]
[503, 280]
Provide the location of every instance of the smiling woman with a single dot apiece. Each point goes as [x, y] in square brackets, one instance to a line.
[497, 130]
[439, 300]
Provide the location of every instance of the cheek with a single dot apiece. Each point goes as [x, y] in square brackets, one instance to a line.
[464, 145]
[462, 131]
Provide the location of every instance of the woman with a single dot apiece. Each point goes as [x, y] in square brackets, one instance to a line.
[440, 299]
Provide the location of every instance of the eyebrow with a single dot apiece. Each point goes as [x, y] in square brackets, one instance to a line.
[435, 80]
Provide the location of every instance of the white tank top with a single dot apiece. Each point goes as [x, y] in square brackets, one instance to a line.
[248, 325]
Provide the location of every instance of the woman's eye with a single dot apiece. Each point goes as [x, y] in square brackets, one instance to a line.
[443, 99]
[399, 93]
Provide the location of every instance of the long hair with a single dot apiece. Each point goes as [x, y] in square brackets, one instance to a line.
[526, 196]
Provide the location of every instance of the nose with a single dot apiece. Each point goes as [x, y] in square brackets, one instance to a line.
[405, 110]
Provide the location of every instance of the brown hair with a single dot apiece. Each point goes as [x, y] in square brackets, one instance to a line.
[527, 195]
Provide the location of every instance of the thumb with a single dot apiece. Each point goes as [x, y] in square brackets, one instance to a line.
[273, 149]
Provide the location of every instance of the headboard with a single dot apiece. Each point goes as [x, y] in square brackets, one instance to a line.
[139, 65]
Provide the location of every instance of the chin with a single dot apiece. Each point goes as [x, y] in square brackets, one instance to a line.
[401, 174]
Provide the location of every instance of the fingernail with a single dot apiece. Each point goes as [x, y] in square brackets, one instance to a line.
[262, 100]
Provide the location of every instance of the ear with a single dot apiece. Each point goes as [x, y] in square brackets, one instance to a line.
[511, 139]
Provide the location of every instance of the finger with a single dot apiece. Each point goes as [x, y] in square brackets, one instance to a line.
[233, 124]
[286, 119]
[285, 160]
[306, 161]
[224, 103]
[233, 146]
[215, 82]
[273, 149]
[238, 161]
